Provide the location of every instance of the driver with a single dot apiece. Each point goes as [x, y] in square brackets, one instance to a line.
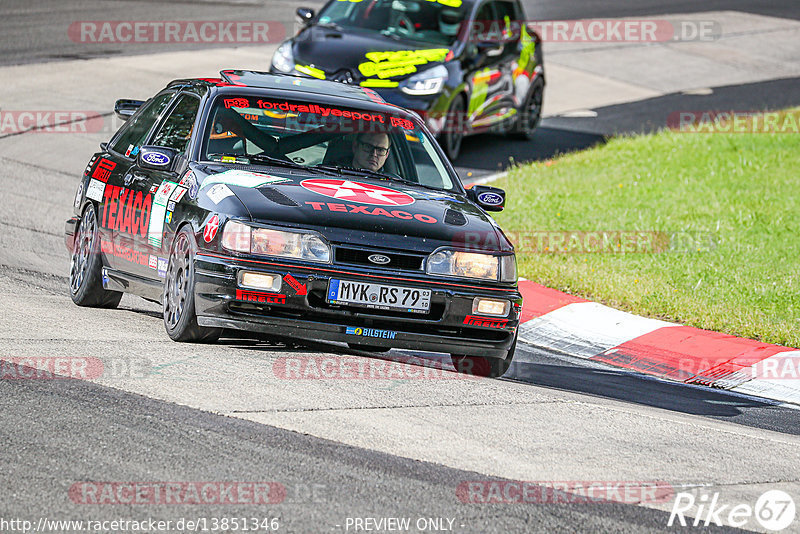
[370, 151]
[449, 22]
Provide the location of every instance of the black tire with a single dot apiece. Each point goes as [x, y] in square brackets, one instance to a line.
[482, 366]
[180, 319]
[453, 134]
[368, 348]
[530, 115]
[86, 266]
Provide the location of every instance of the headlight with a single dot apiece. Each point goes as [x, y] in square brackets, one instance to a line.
[283, 59]
[307, 246]
[427, 82]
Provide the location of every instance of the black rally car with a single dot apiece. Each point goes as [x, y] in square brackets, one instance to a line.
[294, 207]
[465, 66]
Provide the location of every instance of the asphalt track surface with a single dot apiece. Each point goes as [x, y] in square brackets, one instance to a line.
[206, 414]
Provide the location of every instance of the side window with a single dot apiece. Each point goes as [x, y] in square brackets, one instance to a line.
[506, 15]
[177, 129]
[485, 13]
[133, 134]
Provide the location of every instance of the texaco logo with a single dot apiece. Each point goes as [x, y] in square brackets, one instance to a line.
[357, 192]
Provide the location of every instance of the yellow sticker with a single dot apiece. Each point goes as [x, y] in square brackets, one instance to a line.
[311, 71]
[392, 64]
[374, 82]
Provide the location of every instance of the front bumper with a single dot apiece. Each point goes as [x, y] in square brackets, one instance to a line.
[449, 326]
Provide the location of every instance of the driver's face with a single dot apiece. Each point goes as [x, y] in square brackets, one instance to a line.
[367, 149]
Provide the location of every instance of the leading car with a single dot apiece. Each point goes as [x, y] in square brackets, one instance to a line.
[465, 66]
[294, 207]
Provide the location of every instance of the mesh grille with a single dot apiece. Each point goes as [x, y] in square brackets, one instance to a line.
[403, 262]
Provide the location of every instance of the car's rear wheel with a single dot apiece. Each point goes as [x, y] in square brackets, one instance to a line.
[86, 266]
[531, 114]
[453, 133]
[482, 366]
[180, 319]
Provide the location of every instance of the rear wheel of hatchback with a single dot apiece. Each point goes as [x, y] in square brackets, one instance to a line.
[86, 266]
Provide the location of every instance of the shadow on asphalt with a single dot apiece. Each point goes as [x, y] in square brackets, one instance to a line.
[489, 153]
[638, 389]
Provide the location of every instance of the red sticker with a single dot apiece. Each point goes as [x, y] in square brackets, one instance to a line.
[103, 170]
[237, 103]
[261, 298]
[357, 192]
[473, 320]
[297, 286]
[210, 231]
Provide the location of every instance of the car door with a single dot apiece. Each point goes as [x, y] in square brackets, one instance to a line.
[109, 183]
[161, 189]
[492, 88]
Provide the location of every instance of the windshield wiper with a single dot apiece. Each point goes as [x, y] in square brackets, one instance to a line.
[330, 25]
[375, 174]
[360, 172]
[264, 159]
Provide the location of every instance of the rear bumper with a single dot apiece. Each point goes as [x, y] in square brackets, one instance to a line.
[449, 326]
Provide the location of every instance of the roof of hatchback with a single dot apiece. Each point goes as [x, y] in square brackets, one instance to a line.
[266, 80]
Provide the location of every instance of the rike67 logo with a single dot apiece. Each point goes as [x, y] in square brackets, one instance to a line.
[774, 510]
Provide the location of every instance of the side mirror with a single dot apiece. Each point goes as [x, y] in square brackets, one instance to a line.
[124, 108]
[157, 158]
[488, 198]
[305, 15]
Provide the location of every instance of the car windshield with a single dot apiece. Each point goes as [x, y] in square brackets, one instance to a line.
[323, 139]
[435, 22]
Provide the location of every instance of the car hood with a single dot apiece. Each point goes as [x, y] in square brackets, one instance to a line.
[333, 51]
[362, 211]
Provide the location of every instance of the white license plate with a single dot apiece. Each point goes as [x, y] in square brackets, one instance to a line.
[379, 296]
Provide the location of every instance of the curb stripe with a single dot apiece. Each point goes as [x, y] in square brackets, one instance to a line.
[578, 327]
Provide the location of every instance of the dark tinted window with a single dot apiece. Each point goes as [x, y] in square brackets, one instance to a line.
[177, 129]
[133, 134]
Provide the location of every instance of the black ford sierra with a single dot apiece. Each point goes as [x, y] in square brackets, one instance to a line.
[294, 207]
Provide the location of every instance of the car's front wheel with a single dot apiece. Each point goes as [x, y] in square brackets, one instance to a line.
[530, 115]
[180, 319]
[86, 266]
[453, 133]
[482, 366]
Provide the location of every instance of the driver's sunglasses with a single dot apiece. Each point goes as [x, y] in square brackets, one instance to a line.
[369, 148]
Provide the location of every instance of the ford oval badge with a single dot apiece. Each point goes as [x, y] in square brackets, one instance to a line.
[490, 199]
[156, 158]
[379, 259]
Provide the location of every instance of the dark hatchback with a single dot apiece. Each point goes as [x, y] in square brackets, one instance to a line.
[238, 203]
[465, 66]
